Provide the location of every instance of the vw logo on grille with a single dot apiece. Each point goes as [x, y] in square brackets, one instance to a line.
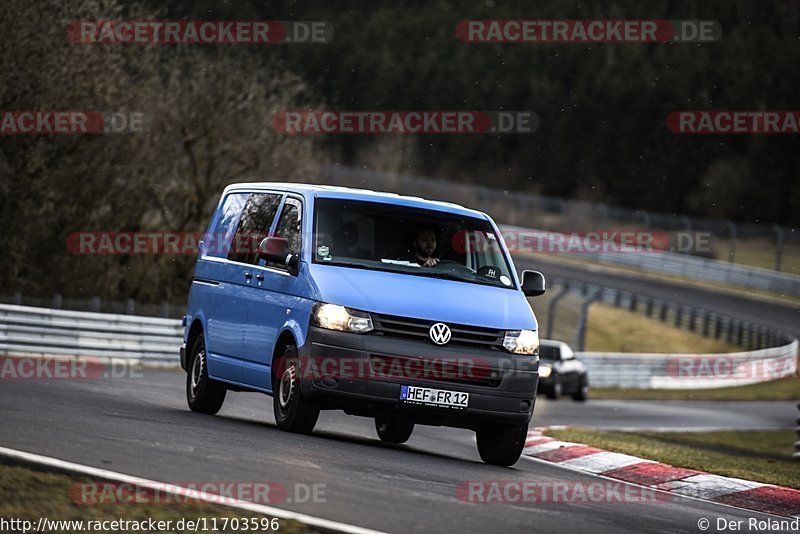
[440, 333]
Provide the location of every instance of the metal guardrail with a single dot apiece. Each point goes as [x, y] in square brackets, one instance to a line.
[42, 331]
[690, 371]
[698, 320]
[671, 263]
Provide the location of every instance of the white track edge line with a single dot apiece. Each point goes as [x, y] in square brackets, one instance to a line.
[178, 490]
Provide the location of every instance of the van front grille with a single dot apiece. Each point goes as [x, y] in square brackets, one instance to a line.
[417, 329]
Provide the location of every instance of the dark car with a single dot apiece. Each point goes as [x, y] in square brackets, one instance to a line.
[560, 372]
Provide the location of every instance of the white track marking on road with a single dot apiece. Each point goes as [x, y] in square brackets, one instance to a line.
[709, 486]
[184, 492]
[549, 446]
[600, 462]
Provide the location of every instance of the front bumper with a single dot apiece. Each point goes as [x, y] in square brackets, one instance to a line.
[501, 386]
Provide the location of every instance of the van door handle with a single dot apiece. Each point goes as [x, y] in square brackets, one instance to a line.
[248, 275]
[260, 277]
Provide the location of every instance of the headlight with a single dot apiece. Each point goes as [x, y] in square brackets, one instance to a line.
[521, 341]
[334, 317]
[545, 371]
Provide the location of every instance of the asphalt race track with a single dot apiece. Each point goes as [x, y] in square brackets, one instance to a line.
[141, 426]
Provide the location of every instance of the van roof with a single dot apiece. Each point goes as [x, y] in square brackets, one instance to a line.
[335, 191]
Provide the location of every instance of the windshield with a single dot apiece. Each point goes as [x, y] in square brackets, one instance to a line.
[387, 237]
[549, 353]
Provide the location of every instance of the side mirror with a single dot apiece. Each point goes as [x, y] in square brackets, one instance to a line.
[533, 283]
[276, 250]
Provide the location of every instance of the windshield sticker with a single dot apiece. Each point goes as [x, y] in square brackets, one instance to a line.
[505, 280]
[324, 252]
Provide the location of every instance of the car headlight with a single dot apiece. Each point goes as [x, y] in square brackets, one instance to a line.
[545, 371]
[335, 317]
[522, 341]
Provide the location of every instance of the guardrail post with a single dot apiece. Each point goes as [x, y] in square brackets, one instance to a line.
[679, 315]
[130, 307]
[796, 455]
[662, 316]
[17, 299]
[739, 333]
[778, 246]
[632, 303]
[551, 311]
[57, 301]
[692, 319]
[580, 333]
[95, 304]
[165, 309]
[729, 337]
[732, 251]
[649, 307]
[706, 324]
[718, 327]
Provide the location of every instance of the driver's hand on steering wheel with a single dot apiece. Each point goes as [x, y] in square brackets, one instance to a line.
[430, 262]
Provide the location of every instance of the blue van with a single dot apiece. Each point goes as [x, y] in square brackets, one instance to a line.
[401, 309]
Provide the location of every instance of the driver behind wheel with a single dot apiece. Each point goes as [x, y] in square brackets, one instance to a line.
[423, 247]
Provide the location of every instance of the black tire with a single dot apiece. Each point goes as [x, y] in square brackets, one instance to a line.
[582, 392]
[393, 429]
[501, 444]
[293, 412]
[203, 394]
[554, 391]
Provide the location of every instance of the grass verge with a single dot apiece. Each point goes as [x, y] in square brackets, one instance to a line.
[28, 494]
[782, 389]
[762, 456]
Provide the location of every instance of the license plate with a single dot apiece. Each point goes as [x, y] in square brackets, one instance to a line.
[434, 397]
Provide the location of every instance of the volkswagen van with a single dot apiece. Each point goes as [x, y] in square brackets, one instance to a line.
[396, 308]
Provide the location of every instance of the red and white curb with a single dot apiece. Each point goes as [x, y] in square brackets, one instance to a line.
[687, 482]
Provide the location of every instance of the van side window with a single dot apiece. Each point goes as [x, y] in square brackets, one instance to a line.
[289, 228]
[217, 242]
[254, 226]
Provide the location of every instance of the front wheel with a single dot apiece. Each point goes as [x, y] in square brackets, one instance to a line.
[293, 412]
[501, 444]
[555, 390]
[393, 429]
[203, 394]
[582, 393]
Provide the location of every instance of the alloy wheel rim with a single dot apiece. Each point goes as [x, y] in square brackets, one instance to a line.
[287, 386]
[197, 371]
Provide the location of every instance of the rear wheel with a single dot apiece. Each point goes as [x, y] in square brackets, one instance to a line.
[293, 412]
[203, 394]
[393, 429]
[501, 444]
